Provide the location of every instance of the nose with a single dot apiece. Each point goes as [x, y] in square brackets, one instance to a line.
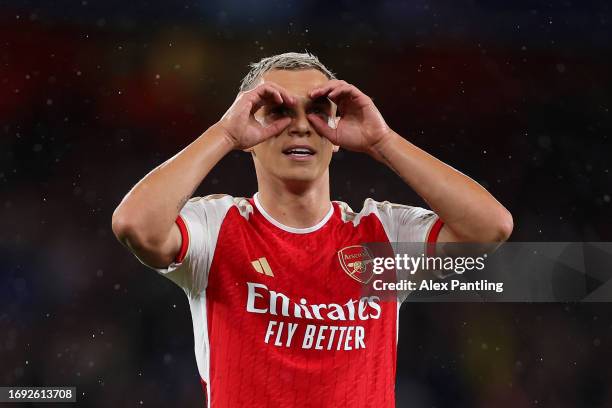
[300, 126]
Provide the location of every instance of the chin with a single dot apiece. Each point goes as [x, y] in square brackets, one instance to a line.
[299, 176]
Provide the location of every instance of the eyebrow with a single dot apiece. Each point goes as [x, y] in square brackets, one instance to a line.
[321, 100]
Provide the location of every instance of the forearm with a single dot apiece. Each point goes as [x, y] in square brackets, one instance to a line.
[150, 209]
[467, 209]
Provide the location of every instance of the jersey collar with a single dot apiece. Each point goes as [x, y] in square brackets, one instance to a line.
[292, 229]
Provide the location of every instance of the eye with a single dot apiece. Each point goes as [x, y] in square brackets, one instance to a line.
[318, 111]
[279, 111]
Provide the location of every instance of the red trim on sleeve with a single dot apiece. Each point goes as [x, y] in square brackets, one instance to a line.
[185, 240]
[432, 237]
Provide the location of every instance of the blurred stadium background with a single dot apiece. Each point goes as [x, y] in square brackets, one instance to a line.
[94, 94]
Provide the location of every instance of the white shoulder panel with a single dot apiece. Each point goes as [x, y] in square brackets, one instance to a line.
[203, 217]
[402, 223]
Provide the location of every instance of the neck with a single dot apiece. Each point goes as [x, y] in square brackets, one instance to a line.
[296, 205]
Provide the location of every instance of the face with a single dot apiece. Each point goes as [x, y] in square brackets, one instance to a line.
[298, 154]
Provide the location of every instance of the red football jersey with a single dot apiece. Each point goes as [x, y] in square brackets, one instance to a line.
[278, 321]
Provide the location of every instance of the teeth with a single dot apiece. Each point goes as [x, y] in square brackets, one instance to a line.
[300, 151]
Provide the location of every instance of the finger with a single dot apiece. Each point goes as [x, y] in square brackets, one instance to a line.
[275, 128]
[271, 94]
[322, 127]
[342, 92]
[288, 99]
[264, 95]
[326, 89]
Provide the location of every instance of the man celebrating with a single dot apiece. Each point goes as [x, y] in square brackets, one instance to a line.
[279, 318]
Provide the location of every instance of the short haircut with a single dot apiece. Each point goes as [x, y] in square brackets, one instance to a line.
[291, 61]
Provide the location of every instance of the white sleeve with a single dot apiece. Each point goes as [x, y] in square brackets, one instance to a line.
[201, 218]
[404, 223]
[408, 224]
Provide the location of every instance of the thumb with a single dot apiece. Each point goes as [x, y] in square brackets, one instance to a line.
[276, 127]
[322, 127]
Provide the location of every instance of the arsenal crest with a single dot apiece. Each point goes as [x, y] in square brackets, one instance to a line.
[356, 260]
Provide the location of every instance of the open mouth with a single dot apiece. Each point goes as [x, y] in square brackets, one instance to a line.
[302, 151]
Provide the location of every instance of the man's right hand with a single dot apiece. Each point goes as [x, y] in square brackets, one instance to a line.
[239, 124]
[145, 219]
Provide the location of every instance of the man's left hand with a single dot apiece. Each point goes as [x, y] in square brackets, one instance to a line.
[360, 126]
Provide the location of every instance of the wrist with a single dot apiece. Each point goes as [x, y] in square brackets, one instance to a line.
[386, 141]
[218, 131]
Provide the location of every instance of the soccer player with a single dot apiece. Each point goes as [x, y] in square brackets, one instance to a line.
[278, 314]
